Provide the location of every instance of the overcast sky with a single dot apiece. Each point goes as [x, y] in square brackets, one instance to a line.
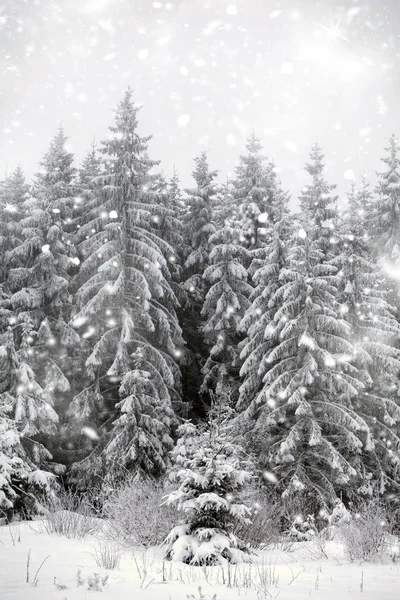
[207, 72]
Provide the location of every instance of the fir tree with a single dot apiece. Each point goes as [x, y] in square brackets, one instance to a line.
[374, 332]
[42, 266]
[168, 224]
[210, 472]
[198, 228]
[308, 433]
[14, 192]
[318, 203]
[254, 187]
[39, 265]
[25, 415]
[225, 304]
[384, 216]
[267, 268]
[126, 310]
[73, 444]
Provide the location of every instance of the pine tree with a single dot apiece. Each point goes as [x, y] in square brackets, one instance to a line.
[210, 472]
[49, 268]
[197, 230]
[169, 225]
[253, 190]
[14, 191]
[374, 331]
[266, 268]
[175, 193]
[25, 415]
[308, 433]
[85, 214]
[225, 304]
[302, 419]
[126, 311]
[38, 280]
[318, 203]
[38, 262]
[24, 408]
[384, 216]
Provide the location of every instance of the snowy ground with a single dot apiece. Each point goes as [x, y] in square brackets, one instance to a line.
[277, 574]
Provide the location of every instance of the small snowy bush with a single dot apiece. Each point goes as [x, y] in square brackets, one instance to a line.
[302, 530]
[96, 583]
[135, 513]
[68, 514]
[107, 555]
[364, 537]
[210, 473]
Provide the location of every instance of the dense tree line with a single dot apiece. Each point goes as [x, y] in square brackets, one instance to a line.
[128, 306]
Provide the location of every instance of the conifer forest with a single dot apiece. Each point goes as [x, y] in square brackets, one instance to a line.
[222, 354]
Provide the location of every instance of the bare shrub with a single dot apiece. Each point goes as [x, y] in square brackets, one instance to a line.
[107, 555]
[264, 529]
[97, 583]
[364, 537]
[316, 548]
[68, 514]
[135, 513]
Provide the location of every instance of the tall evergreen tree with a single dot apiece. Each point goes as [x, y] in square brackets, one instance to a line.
[225, 304]
[318, 203]
[266, 268]
[384, 217]
[39, 262]
[308, 432]
[127, 312]
[49, 217]
[25, 415]
[14, 192]
[254, 188]
[198, 228]
[73, 444]
[374, 332]
[302, 419]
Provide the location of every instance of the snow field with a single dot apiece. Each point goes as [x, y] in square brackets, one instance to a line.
[61, 569]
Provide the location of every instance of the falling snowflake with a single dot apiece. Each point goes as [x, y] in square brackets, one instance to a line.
[90, 433]
[183, 120]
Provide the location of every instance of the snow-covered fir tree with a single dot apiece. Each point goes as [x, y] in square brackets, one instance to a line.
[318, 202]
[47, 268]
[266, 268]
[39, 264]
[210, 472]
[25, 416]
[374, 333]
[175, 192]
[85, 210]
[169, 224]
[225, 304]
[14, 191]
[384, 217]
[253, 189]
[126, 312]
[302, 420]
[198, 228]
